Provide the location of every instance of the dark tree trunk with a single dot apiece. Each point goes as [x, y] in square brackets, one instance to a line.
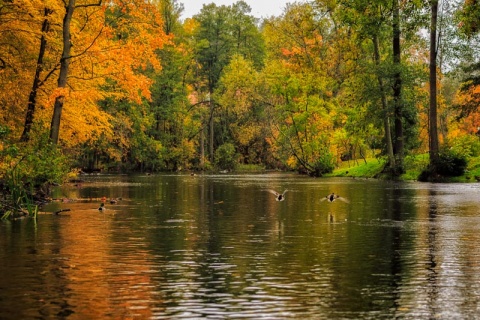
[397, 91]
[32, 98]
[386, 118]
[64, 67]
[432, 117]
[212, 130]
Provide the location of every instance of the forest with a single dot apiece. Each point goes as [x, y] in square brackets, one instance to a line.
[131, 86]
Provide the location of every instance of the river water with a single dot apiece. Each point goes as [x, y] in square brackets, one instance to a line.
[222, 247]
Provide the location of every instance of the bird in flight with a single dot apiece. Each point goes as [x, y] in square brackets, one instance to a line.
[278, 196]
[332, 197]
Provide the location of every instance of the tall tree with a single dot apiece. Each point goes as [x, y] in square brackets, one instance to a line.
[64, 69]
[242, 110]
[215, 39]
[383, 99]
[468, 16]
[302, 72]
[370, 20]
[397, 90]
[105, 52]
[37, 82]
[432, 115]
[222, 32]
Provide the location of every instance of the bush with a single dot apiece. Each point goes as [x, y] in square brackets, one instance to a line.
[27, 171]
[324, 164]
[450, 164]
[467, 145]
[34, 164]
[226, 157]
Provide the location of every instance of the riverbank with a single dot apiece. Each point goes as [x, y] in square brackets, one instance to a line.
[372, 168]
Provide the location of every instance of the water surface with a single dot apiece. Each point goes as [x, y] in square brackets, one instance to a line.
[220, 247]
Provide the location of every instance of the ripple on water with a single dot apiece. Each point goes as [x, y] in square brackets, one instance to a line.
[221, 247]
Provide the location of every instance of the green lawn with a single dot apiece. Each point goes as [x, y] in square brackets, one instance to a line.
[360, 168]
[414, 165]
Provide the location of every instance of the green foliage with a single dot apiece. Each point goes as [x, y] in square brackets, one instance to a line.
[146, 153]
[368, 169]
[4, 131]
[469, 17]
[226, 157]
[179, 156]
[447, 164]
[324, 164]
[414, 165]
[466, 146]
[35, 164]
[450, 163]
[27, 171]
[223, 32]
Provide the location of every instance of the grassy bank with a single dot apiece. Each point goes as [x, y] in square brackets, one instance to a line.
[372, 168]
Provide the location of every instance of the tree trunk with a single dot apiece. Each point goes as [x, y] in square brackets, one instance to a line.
[397, 91]
[212, 132]
[32, 98]
[64, 66]
[202, 147]
[432, 116]
[386, 118]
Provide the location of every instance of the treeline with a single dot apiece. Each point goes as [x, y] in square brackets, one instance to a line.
[130, 86]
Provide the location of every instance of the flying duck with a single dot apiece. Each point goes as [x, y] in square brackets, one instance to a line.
[278, 196]
[332, 197]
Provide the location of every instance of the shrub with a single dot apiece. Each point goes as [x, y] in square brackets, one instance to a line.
[324, 164]
[28, 170]
[467, 145]
[450, 164]
[226, 157]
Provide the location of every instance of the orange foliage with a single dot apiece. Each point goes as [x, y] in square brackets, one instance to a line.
[470, 100]
[109, 56]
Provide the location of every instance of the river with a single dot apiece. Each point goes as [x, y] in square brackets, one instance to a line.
[221, 247]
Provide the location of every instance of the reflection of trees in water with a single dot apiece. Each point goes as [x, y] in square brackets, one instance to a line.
[432, 276]
[396, 262]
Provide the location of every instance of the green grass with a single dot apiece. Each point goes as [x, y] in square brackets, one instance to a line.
[472, 174]
[370, 169]
[414, 165]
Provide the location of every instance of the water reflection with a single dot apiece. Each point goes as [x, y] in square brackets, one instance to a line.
[178, 246]
[432, 255]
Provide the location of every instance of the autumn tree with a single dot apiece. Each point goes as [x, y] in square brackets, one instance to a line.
[370, 21]
[222, 32]
[468, 17]
[131, 59]
[386, 34]
[302, 73]
[37, 81]
[23, 26]
[242, 108]
[127, 33]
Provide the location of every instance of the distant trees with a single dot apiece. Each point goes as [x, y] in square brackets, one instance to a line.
[129, 85]
[223, 31]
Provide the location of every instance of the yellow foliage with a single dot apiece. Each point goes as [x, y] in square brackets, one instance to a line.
[292, 162]
[101, 65]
